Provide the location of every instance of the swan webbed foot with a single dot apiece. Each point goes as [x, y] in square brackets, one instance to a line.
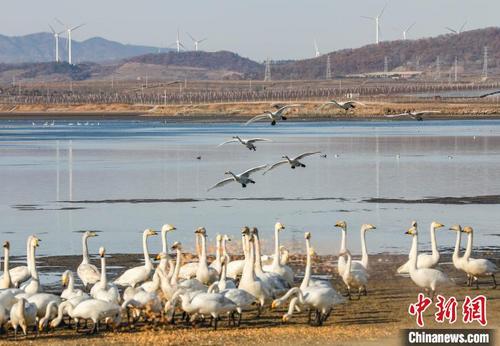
[243, 185]
[293, 167]
[273, 122]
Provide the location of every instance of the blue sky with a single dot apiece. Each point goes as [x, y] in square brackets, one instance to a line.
[279, 29]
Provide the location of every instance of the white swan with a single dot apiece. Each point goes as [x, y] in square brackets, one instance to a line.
[364, 263]
[242, 178]
[354, 278]
[458, 262]
[249, 281]
[316, 296]
[5, 281]
[425, 260]
[480, 267]
[273, 116]
[216, 264]
[249, 142]
[277, 266]
[293, 162]
[426, 278]
[102, 289]
[147, 302]
[134, 276]
[63, 311]
[95, 310]
[412, 114]
[346, 106]
[235, 268]
[7, 300]
[68, 282]
[204, 273]
[164, 245]
[32, 286]
[276, 283]
[22, 314]
[87, 272]
[188, 270]
[20, 274]
[205, 304]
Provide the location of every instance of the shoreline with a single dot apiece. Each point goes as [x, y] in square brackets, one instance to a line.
[242, 111]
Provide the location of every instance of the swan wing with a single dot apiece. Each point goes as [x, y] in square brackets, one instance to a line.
[489, 94]
[226, 142]
[253, 140]
[18, 275]
[273, 166]
[352, 103]
[252, 170]
[282, 109]
[425, 112]
[394, 115]
[88, 273]
[133, 276]
[221, 183]
[301, 156]
[257, 118]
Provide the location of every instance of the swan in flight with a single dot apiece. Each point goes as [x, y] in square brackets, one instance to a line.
[425, 260]
[249, 142]
[242, 178]
[412, 114]
[293, 162]
[87, 272]
[273, 116]
[427, 278]
[346, 106]
[480, 267]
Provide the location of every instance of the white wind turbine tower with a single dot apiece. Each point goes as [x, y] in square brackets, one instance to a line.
[56, 38]
[195, 41]
[178, 42]
[377, 24]
[69, 30]
[459, 31]
[316, 49]
[406, 30]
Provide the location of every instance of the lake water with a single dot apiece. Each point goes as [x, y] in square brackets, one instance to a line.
[121, 176]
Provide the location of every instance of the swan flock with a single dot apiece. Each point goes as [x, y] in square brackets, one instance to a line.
[223, 289]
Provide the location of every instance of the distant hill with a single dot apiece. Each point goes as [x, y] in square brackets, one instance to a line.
[404, 55]
[40, 47]
[222, 61]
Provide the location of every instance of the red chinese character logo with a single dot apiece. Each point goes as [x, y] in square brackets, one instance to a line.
[474, 310]
[447, 309]
[419, 307]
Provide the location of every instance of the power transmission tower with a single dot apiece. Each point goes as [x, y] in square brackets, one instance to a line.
[485, 63]
[386, 65]
[456, 69]
[438, 68]
[328, 68]
[267, 73]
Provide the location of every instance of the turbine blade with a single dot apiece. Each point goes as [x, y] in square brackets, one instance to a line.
[463, 26]
[57, 20]
[192, 38]
[76, 27]
[450, 29]
[52, 29]
[383, 9]
[200, 41]
[365, 17]
[411, 26]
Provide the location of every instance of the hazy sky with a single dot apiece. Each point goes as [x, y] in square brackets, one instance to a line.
[279, 29]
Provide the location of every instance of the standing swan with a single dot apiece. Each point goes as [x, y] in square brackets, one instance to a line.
[276, 266]
[33, 285]
[134, 276]
[425, 260]
[363, 264]
[480, 267]
[164, 245]
[87, 272]
[204, 274]
[21, 274]
[357, 278]
[6, 281]
[22, 314]
[427, 278]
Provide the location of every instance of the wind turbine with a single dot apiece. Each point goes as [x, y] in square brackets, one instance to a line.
[459, 31]
[195, 41]
[406, 31]
[316, 49]
[56, 38]
[178, 42]
[69, 30]
[377, 23]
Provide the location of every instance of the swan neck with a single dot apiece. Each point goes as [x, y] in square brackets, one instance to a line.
[468, 250]
[414, 253]
[364, 252]
[85, 250]
[177, 269]
[343, 241]
[258, 263]
[435, 251]
[307, 273]
[33, 271]
[147, 260]
[103, 272]
[277, 258]
[164, 245]
[456, 251]
[6, 273]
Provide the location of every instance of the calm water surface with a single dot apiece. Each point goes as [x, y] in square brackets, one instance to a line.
[58, 180]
